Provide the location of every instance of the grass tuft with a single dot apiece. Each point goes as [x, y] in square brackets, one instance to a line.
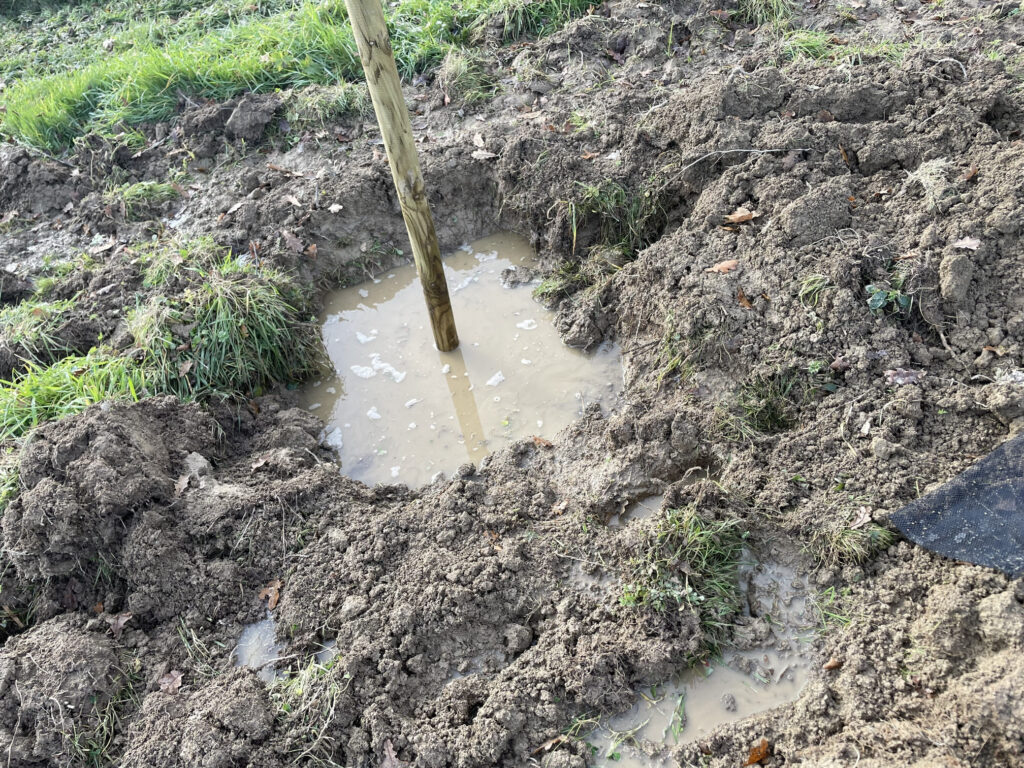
[839, 543]
[141, 200]
[309, 699]
[690, 563]
[236, 331]
[32, 326]
[41, 394]
[774, 13]
[464, 76]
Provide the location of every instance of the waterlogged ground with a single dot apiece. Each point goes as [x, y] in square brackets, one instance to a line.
[397, 410]
[800, 227]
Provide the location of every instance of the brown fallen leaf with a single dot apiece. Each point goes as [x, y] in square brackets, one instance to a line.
[293, 243]
[97, 609]
[832, 663]
[997, 351]
[759, 753]
[117, 622]
[311, 251]
[550, 744]
[171, 682]
[542, 443]
[271, 593]
[9, 613]
[181, 484]
[588, 156]
[724, 267]
[844, 155]
[970, 173]
[741, 215]
[741, 297]
[285, 171]
[184, 368]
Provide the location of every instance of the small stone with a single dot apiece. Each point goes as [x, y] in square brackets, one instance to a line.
[354, 605]
[729, 702]
[955, 274]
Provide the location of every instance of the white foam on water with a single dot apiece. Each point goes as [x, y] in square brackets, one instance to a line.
[496, 379]
[258, 648]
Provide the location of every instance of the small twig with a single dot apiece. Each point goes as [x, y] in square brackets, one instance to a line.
[741, 151]
[954, 61]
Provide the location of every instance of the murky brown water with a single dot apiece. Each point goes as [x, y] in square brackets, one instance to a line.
[398, 410]
[742, 684]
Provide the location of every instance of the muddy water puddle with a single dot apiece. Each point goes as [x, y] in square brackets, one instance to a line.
[397, 410]
[259, 649]
[769, 673]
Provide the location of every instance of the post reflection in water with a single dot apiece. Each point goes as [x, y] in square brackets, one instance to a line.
[460, 385]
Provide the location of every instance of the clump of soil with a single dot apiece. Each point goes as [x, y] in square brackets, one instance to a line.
[782, 200]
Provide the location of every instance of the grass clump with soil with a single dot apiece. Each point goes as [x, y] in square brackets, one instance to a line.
[300, 46]
[689, 563]
[139, 201]
[32, 325]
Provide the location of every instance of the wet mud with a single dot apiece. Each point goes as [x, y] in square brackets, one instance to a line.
[474, 621]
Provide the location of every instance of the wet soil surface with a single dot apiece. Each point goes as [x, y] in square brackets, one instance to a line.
[145, 537]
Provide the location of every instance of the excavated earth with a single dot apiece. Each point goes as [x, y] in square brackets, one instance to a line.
[463, 639]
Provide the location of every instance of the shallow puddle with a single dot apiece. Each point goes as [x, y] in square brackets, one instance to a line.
[741, 684]
[397, 410]
[258, 648]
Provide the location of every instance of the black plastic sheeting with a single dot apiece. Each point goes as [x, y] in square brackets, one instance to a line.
[978, 516]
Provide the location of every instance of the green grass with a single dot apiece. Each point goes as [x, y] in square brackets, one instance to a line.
[763, 407]
[162, 261]
[775, 13]
[807, 44]
[32, 326]
[464, 76]
[690, 563]
[99, 745]
[308, 701]
[308, 44]
[839, 543]
[42, 394]
[811, 288]
[141, 200]
[237, 330]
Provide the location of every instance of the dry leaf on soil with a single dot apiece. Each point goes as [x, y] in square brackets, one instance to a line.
[724, 267]
[483, 154]
[542, 442]
[968, 244]
[741, 215]
[171, 682]
[832, 663]
[478, 140]
[293, 200]
[271, 593]
[293, 243]
[390, 758]
[117, 622]
[741, 297]
[759, 753]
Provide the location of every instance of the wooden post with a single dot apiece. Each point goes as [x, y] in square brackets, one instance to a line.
[371, 33]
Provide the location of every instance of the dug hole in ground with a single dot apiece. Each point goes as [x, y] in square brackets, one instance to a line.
[805, 242]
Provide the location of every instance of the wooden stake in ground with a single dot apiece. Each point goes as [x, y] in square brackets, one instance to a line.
[371, 33]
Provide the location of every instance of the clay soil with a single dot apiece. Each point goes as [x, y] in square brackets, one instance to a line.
[464, 640]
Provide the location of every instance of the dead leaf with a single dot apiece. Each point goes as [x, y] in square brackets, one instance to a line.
[271, 593]
[336, 208]
[181, 484]
[261, 461]
[478, 140]
[117, 623]
[845, 156]
[862, 519]
[724, 267]
[759, 753]
[542, 443]
[185, 367]
[900, 376]
[721, 15]
[311, 251]
[589, 156]
[235, 207]
[550, 744]
[968, 244]
[171, 682]
[293, 243]
[741, 215]
[293, 200]
[10, 614]
[741, 297]
[101, 248]
[970, 173]
[483, 154]
[285, 171]
[97, 609]
[390, 758]
[832, 663]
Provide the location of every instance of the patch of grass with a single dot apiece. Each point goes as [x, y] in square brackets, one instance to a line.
[202, 658]
[933, 177]
[840, 543]
[763, 407]
[807, 44]
[689, 563]
[308, 44]
[811, 288]
[828, 604]
[309, 701]
[464, 76]
[42, 394]
[32, 326]
[564, 281]
[98, 746]
[139, 201]
[162, 261]
[236, 331]
[316, 106]
[774, 13]
[627, 219]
